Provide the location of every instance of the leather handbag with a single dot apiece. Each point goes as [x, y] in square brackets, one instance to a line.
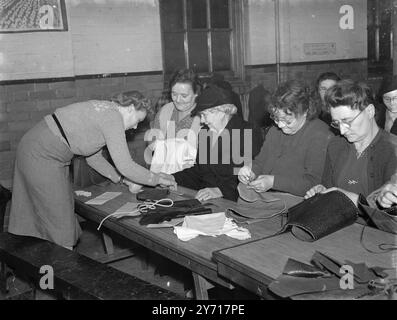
[321, 215]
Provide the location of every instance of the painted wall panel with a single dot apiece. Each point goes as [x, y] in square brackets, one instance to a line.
[309, 31]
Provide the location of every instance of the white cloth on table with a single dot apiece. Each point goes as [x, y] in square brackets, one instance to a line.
[213, 224]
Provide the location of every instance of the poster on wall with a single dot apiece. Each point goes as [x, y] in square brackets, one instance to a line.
[32, 16]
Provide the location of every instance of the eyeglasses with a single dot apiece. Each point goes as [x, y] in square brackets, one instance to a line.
[287, 120]
[387, 99]
[347, 124]
[323, 88]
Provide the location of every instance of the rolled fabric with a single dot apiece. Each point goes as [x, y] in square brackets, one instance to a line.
[321, 215]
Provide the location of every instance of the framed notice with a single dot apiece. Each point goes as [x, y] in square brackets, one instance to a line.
[32, 16]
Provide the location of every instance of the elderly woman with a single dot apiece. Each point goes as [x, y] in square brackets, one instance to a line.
[42, 199]
[223, 147]
[387, 112]
[174, 130]
[363, 158]
[293, 154]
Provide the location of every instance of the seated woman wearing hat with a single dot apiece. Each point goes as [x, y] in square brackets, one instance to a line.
[387, 111]
[221, 148]
[363, 158]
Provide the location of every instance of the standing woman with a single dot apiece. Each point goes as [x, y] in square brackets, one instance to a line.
[173, 121]
[42, 200]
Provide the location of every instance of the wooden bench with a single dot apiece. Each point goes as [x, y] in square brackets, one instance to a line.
[75, 276]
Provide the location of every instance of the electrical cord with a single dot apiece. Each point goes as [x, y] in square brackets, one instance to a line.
[140, 208]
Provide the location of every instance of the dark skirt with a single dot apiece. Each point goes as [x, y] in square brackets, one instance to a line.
[42, 199]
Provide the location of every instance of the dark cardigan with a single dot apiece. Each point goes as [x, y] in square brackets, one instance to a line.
[382, 165]
[219, 175]
[382, 160]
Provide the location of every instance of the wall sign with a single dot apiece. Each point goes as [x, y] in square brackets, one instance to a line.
[319, 49]
[32, 15]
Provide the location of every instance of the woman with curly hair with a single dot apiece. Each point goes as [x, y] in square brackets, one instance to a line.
[42, 201]
[293, 154]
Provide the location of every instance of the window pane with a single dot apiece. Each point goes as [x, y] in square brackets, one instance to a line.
[198, 51]
[174, 52]
[171, 15]
[220, 42]
[219, 13]
[197, 14]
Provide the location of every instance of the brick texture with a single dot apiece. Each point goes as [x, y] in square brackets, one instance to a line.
[23, 105]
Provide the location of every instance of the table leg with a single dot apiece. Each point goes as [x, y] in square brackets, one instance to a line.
[201, 286]
[108, 242]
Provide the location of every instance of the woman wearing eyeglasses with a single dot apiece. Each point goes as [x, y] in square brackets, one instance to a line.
[293, 154]
[363, 157]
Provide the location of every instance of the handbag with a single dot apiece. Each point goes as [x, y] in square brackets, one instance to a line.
[321, 215]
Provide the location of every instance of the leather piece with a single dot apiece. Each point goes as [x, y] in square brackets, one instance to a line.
[299, 269]
[322, 276]
[287, 286]
[321, 215]
[249, 212]
[325, 262]
[180, 209]
[152, 194]
[251, 195]
[261, 210]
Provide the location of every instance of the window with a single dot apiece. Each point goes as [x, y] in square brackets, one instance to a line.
[380, 36]
[198, 34]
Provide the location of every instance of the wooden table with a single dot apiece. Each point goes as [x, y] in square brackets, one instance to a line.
[196, 254]
[256, 264]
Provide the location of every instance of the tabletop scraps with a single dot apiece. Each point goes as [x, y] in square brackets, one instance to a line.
[213, 224]
[83, 193]
[103, 198]
[326, 274]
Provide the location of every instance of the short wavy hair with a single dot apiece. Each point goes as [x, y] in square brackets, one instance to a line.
[186, 76]
[229, 109]
[140, 102]
[293, 96]
[357, 95]
[326, 76]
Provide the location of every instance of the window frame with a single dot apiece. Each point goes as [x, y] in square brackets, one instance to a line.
[236, 37]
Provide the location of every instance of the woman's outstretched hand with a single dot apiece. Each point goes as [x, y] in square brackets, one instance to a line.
[167, 180]
[208, 193]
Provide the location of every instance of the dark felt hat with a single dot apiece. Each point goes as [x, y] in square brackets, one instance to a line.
[211, 97]
[390, 84]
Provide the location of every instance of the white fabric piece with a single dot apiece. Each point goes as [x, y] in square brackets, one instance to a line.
[172, 155]
[83, 193]
[103, 198]
[213, 224]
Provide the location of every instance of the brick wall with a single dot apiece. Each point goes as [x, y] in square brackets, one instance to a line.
[23, 105]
